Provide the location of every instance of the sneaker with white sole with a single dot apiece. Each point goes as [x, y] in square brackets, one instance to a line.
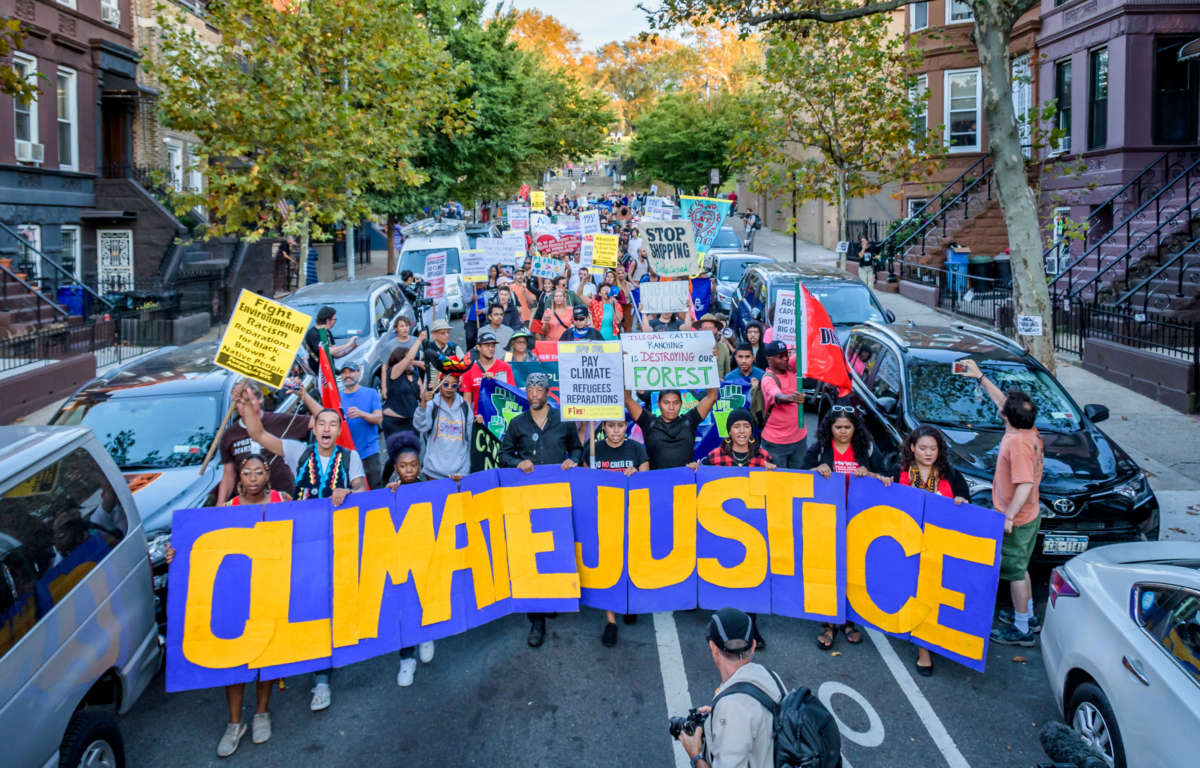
[408, 668]
[260, 727]
[322, 696]
[229, 742]
[425, 651]
[1008, 634]
[1005, 616]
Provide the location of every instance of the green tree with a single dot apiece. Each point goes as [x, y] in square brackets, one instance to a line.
[833, 116]
[682, 139]
[994, 20]
[12, 84]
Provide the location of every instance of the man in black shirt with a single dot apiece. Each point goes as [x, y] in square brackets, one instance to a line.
[321, 335]
[539, 436]
[670, 438]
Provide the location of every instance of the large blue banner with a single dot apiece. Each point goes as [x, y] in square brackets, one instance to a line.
[292, 587]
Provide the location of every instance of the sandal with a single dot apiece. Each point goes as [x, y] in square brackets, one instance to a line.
[853, 636]
[826, 638]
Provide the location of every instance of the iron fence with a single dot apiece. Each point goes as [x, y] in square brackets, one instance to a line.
[1075, 321]
[113, 338]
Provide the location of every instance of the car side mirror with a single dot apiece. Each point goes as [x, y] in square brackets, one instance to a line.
[1095, 413]
[381, 326]
[887, 404]
[890, 315]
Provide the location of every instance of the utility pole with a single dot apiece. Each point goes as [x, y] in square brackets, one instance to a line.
[795, 224]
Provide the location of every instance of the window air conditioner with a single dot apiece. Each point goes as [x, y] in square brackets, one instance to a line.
[110, 14]
[30, 152]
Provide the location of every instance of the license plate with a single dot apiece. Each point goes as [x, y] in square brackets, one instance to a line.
[1063, 544]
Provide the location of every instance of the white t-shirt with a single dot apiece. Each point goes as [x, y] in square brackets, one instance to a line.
[293, 451]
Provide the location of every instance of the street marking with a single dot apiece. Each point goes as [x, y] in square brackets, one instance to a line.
[937, 731]
[873, 736]
[675, 685]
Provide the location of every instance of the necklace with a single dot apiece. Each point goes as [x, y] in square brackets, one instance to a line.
[914, 478]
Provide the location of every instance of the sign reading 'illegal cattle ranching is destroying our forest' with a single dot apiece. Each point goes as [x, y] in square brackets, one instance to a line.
[679, 360]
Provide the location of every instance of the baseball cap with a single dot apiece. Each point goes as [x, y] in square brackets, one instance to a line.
[730, 630]
[351, 366]
[581, 312]
[486, 337]
[440, 325]
[772, 348]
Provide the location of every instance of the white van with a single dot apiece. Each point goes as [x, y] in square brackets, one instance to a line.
[444, 236]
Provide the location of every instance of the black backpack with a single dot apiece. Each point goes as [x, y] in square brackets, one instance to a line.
[805, 733]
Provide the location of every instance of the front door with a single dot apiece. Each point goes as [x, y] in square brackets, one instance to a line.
[114, 257]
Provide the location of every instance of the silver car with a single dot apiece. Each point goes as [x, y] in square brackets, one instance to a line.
[1121, 646]
[78, 641]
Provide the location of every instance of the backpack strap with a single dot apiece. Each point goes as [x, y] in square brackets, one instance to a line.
[753, 691]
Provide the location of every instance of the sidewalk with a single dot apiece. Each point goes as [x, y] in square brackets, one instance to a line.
[1163, 441]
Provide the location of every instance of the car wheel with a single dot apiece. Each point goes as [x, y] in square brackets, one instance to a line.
[92, 741]
[1092, 715]
[376, 382]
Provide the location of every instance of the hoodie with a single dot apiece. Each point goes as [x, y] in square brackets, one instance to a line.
[447, 433]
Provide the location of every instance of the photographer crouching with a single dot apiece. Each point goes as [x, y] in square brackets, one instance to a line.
[740, 728]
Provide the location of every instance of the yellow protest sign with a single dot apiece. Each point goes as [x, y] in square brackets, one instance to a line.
[604, 250]
[262, 339]
[537, 199]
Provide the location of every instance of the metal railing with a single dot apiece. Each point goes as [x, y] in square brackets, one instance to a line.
[112, 339]
[985, 299]
[1179, 261]
[1076, 321]
[55, 277]
[927, 216]
[13, 287]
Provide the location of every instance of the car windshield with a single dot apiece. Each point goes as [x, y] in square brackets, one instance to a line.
[353, 319]
[727, 238]
[415, 260]
[732, 269]
[848, 303]
[940, 396]
[147, 431]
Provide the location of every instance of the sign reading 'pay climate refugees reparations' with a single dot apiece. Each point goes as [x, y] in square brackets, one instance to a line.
[679, 360]
[589, 381]
[671, 245]
[262, 339]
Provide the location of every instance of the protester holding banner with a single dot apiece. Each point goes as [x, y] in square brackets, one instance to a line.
[364, 414]
[401, 388]
[446, 420]
[741, 448]
[667, 321]
[235, 442]
[486, 366]
[670, 438]
[783, 430]
[539, 436]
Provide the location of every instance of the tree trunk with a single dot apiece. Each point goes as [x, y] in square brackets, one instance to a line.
[391, 242]
[993, 30]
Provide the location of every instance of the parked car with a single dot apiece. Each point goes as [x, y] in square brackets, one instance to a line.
[476, 231]
[1121, 648]
[727, 270]
[156, 417]
[366, 309]
[1091, 493]
[847, 300]
[78, 641]
[444, 236]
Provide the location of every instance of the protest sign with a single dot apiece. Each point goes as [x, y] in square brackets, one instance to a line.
[497, 251]
[605, 249]
[785, 317]
[435, 275]
[262, 339]
[540, 221]
[586, 250]
[260, 591]
[475, 264]
[679, 360]
[518, 217]
[707, 214]
[515, 241]
[658, 209]
[545, 266]
[672, 248]
[590, 381]
[537, 199]
[551, 245]
[663, 296]
[589, 223]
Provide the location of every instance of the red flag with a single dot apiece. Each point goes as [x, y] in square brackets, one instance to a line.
[823, 358]
[524, 193]
[331, 398]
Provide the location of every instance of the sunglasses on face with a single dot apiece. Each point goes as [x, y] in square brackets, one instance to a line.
[449, 385]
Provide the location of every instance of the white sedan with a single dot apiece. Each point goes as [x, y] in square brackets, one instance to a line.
[1121, 645]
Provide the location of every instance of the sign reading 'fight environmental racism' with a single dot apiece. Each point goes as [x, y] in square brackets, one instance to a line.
[679, 360]
[262, 339]
[589, 381]
[269, 591]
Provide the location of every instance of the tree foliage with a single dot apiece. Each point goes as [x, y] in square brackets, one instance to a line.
[12, 34]
[682, 138]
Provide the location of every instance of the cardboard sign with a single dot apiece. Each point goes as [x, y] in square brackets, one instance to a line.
[679, 360]
[589, 381]
[658, 209]
[475, 264]
[843, 246]
[672, 248]
[262, 339]
[589, 223]
[264, 591]
[435, 275]
[663, 296]
[586, 253]
[545, 266]
[605, 249]
[497, 251]
[1029, 325]
[785, 317]
[518, 217]
[537, 199]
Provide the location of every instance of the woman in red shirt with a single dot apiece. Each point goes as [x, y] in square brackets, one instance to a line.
[925, 464]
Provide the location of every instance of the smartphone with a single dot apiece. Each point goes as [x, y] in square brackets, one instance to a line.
[960, 367]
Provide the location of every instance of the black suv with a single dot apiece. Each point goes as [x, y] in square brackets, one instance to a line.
[1091, 492]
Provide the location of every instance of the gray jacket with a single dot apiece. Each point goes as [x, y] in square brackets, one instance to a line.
[447, 432]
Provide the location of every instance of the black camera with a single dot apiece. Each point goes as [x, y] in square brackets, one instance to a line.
[688, 725]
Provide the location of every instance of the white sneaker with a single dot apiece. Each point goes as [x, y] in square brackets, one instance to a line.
[229, 742]
[322, 696]
[408, 668]
[260, 727]
[425, 650]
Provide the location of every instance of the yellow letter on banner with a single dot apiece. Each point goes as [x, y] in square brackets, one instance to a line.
[873, 523]
[710, 513]
[610, 528]
[489, 506]
[645, 571]
[524, 544]
[781, 489]
[941, 543]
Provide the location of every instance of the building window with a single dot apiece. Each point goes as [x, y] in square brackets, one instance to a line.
[29, 259]
[1176, 94]
[1098, 98]
[919, 94]
[918, 16]
[68, 134]
[68, 3]
[1022, 93]
[72, 257]
[962, 110]
[175, 165]
[1062, 98]
[958, 12]
[25, 113]
[110, 12]
[195, 180]
[914, 205]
